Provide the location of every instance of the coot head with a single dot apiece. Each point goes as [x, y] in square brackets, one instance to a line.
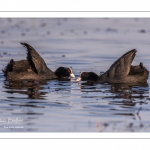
[63, 72]
[88, 76]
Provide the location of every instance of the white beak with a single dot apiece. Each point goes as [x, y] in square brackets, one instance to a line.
[78, 79]
[72, 75]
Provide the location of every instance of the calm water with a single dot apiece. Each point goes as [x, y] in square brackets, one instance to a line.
[66, 106]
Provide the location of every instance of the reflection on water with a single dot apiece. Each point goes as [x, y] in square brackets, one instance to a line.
[29, 88]
[64, 105]
[125, 91]
[63, 97]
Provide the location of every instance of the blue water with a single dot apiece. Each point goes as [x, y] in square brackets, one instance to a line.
[85, 44]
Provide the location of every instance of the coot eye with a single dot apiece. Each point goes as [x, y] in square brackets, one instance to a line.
[69, 70]
[82, 74]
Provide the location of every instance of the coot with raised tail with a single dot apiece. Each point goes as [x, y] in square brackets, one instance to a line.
[121, 71]
[34, 68]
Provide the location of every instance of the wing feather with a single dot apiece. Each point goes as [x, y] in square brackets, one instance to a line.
[36, 62]
[121, 67]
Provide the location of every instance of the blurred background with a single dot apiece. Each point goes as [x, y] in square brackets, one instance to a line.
[85, 44]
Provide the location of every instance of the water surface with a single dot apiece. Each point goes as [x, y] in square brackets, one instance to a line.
[85, 44]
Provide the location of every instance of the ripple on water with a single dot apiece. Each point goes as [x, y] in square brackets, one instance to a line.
[84, 45]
